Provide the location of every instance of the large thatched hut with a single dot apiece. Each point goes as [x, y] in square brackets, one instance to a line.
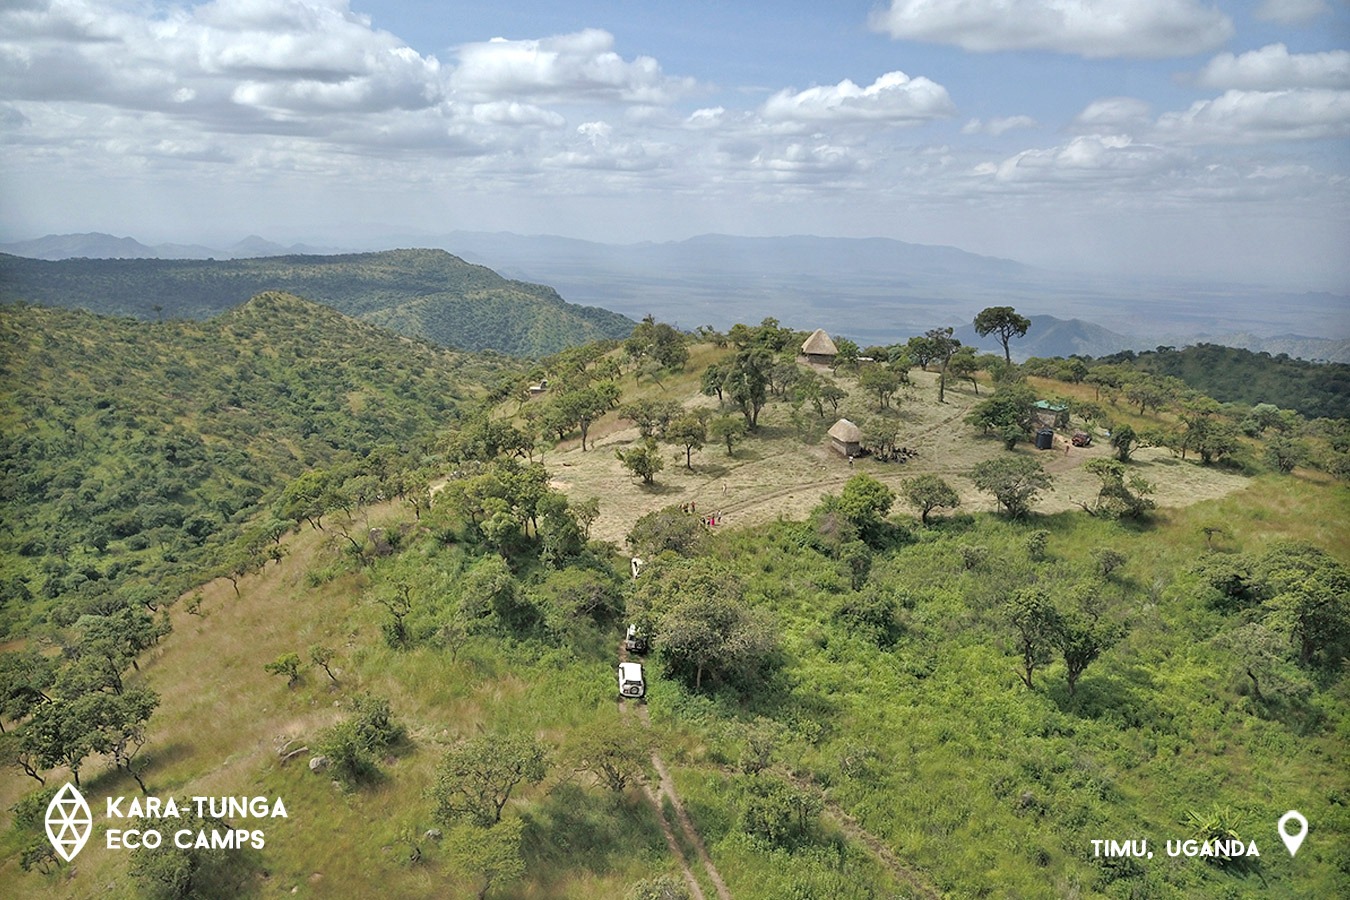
[819, 349]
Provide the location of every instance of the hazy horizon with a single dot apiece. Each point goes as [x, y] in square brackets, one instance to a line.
[1171, 138]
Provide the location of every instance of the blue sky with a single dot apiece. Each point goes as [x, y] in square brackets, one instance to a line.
[1177, 137]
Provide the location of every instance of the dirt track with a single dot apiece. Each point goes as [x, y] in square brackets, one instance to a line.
[666, 788]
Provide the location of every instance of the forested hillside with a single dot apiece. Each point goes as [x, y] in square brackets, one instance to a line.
[132, 450]
[1240, 376]
[420, 293]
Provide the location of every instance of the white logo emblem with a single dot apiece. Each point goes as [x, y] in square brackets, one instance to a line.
[69, 822]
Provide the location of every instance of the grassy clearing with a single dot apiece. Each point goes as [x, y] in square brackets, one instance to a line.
[783, 471]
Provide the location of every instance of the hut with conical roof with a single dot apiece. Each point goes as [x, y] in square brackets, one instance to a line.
[818, 349]
[846, 438]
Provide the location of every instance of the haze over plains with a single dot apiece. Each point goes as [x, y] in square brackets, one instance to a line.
[1147, 137]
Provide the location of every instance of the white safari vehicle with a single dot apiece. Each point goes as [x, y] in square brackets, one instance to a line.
[630, 680]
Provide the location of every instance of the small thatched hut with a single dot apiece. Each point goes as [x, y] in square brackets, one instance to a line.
[819, 349]
[846, 438]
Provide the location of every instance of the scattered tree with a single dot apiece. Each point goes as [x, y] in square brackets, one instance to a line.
[1015, 482]
[321, 656]
[728, 430]
[1004, 322]
[487, 857]
[477, 776]
[1125, 441]
[943, 346]
[643, 460]
[1118, 497]
[616, 753]
[287, 664]
[1083, 636]
[866, 502]
[929, 492]
[690, 432]
[669, 529]
[881, 381]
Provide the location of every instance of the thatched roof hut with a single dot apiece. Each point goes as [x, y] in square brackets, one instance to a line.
[846, 438]
[818, 348]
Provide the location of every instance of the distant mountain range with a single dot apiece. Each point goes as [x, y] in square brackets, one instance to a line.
[874, 290]
[1051, 336]
[95, 245]
[878, 291]
[428, 294]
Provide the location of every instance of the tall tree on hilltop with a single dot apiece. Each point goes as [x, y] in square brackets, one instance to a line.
[943, 346]
[1004, 322]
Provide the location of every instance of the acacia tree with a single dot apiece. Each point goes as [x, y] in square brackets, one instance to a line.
[477, 777]
[25, 676]
[929, 492]
[881, 381]
[690, 432]
[1014, 481]
[712, 381]
[1004, 322]
[943, 346]
[963, 366]
[651, 416]
[615, 753]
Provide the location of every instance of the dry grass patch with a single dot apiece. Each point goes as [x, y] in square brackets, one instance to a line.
[783, 471]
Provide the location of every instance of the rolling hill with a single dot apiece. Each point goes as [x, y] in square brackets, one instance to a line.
[420, 293]
[149, 443]
[840, 703]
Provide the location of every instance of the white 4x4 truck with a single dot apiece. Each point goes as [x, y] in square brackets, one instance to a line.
[631, 684]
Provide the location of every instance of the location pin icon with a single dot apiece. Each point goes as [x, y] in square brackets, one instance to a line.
[1293, 841]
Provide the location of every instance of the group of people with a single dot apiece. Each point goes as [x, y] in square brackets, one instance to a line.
[711, 521]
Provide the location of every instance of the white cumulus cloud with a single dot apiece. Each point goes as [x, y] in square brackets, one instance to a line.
[1258, 116]
[1273, 67]
[1089, 28]
[1088, 158]
[209, 61]
[579, 66]
[893, 97]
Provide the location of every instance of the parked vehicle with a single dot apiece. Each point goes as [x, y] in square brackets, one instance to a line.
[1082, 439]
[635, 641]
[631, 684]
